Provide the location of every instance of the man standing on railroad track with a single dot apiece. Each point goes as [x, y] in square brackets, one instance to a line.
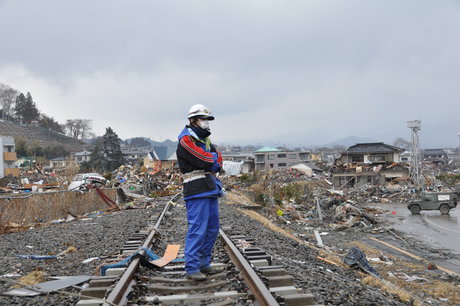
[199, 161]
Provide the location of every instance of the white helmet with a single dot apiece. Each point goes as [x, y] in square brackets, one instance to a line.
[199, 110]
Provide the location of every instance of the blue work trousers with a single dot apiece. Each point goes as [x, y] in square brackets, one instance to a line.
[203, 229]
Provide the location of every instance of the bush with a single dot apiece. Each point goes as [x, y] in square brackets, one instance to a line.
[247, 178]
[290, 191]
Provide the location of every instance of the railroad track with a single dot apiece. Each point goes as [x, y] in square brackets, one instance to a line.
[249, 275]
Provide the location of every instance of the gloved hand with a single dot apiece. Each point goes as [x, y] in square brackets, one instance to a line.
[215, 168]
[215, 156]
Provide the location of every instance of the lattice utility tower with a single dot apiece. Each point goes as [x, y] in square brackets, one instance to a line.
[415, 160]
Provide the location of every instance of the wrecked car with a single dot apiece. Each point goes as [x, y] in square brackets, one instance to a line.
[81, 180]
[442, 201]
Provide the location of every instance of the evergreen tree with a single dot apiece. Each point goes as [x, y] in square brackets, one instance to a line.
[31, 112]
[20, 105]
[97, 159]
[49, 123]
[112, 150]
[25, 108]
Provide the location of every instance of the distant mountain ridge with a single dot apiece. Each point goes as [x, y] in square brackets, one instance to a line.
[349, 141]
[166, 143]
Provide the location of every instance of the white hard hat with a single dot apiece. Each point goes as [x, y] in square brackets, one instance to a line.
[199, 110]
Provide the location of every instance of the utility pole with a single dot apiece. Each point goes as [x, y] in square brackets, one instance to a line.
[414, 166]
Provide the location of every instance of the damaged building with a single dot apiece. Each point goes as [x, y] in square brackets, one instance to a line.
[368, 163]
[268, 158]
[437, 156]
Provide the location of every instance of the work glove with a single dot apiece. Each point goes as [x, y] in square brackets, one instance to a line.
[215, 156]
[215, 168]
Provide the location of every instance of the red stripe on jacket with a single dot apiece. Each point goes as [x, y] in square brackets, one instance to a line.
[195, 150]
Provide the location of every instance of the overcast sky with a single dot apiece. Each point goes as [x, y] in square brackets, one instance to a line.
[272, 72]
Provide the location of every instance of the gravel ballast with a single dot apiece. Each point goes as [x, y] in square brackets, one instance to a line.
[102, 236]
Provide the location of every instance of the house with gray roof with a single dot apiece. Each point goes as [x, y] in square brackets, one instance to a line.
[368, 163]
[437, 156]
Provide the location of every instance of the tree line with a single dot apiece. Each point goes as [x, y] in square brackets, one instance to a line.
[23, 149]
[18, 108]
[22, 109]
[106, 154]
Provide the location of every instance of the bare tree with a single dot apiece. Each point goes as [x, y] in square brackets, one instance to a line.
[401, 143]
[338, 149]
[78, 128]
[7, 97]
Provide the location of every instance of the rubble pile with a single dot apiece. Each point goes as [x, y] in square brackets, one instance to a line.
[290, 196]
[140, 180]
[134, 179]
[30, 181]
[262, 177]
[286, 175]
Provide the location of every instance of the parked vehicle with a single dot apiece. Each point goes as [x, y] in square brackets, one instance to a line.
[442, 201]
[81, 180]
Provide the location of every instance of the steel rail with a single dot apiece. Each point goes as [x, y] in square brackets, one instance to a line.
[118, 296]
[255, 284]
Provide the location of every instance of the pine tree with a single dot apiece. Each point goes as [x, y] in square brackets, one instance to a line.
[112, 150]
[25, 108]
[49, 123]
[31, 112]
[20, 105]
[97, 159]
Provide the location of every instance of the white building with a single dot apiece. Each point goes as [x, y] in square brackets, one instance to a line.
[60, 163]
[83, 156]
[268, 158]
[8, 157]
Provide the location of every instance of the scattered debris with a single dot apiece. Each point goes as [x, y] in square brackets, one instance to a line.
[91, 259]
[318, 239]
[408, 278]
[39, 257]
[46, 287]
[32, 278]
[356, 258]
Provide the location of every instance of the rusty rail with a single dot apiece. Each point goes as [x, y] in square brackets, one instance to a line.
[255, 284]
[118, 296]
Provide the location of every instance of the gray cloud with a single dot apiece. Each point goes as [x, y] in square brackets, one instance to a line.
[297, 72]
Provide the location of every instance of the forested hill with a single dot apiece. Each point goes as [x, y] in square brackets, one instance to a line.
[44, 137]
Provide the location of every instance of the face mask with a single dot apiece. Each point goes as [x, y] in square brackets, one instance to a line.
[204, 124]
